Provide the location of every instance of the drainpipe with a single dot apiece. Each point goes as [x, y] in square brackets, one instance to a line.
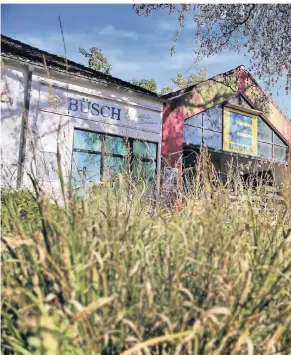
[24, 127]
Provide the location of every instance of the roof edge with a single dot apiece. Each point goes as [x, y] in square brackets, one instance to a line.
[109, 78]
[240, 67]
[189, 88]
[270, 98]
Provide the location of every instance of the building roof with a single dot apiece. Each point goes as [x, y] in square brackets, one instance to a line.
[14, 49]
[180, 92]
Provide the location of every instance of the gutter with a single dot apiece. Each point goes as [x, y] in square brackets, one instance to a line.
[24, 127]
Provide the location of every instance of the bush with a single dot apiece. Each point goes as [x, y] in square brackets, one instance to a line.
[19, 204]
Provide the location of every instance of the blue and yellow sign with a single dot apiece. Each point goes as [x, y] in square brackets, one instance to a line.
[240, 132]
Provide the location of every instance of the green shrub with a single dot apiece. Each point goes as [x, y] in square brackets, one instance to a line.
[19, 204]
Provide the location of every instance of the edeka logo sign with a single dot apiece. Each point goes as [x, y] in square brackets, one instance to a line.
[240, 133]
[100, 110]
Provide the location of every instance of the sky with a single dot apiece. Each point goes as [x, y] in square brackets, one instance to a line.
[136, 46]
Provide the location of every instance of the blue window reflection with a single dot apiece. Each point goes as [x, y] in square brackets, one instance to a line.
[114, 165]
[145, 149]
[213, 139]
[87, 140]
[98, 156]
[115, 145]
[192, 135]
[86, 168]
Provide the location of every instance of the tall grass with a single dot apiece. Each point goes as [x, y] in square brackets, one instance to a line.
[118, 273]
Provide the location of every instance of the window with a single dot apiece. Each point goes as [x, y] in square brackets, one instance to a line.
[245, 132]
[239, 100]
[277, 140]
[212, 119]
[99, 157]
[264, 131]
[270, 145]
[144, 159]
[212, 139]
[265, 150]
[192, 135]
[280, 153]
[206, 128]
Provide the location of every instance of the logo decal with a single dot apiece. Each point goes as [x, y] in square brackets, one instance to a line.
[56, 99]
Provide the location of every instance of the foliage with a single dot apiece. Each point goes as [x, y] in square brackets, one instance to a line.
[262, 30]
[20, 204]
[96, 60]
[180, 82]
[193, 79]
[148, 84]
[125, 274]
[167, 89]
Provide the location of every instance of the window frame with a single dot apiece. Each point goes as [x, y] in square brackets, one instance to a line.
[248, 111]
[104, 154]
[273, 144]
[215, 131]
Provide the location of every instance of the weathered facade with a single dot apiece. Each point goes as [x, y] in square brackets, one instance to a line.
[52, 107]
[98, 120]
[233, 117]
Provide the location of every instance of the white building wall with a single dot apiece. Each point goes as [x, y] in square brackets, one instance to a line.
[139, 117]
[13, 84]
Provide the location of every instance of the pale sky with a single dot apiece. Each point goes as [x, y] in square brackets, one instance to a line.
[136, 46]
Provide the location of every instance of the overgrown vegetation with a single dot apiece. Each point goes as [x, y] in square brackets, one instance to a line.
[119, 273]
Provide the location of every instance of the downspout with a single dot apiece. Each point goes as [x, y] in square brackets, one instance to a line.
[24, 127]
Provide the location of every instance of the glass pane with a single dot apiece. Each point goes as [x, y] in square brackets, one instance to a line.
[87, 140]
[280, 153]
[195, 120]
[212, 119]
[264, 131]
[239, 100]
[265, 150]
[212, 139]
[85, 168]
[116, 145]
[192, 135]
[114, 165]
[278, 140]
[145, 150]
[144, 170]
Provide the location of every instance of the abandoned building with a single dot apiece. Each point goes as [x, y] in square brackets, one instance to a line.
[95, 121]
